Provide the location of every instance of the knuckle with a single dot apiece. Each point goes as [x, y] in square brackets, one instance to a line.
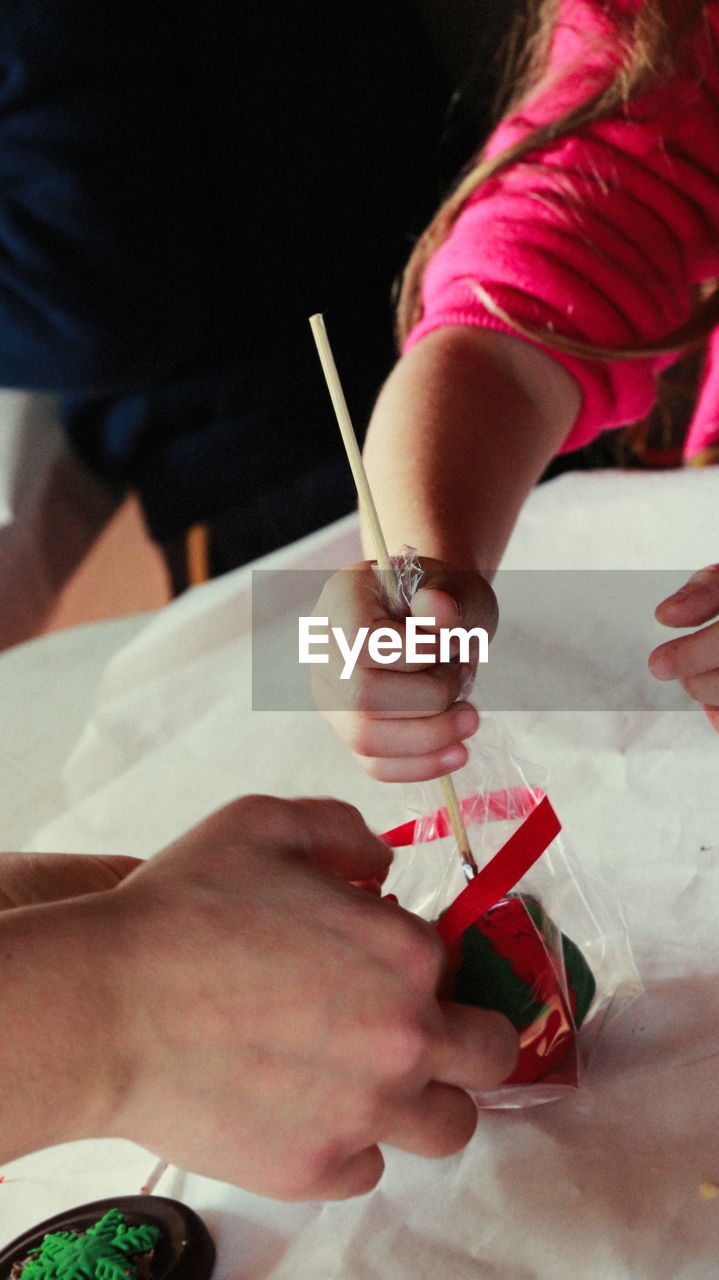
[366, 1178]
[675, 652]
[256, 809]
[358, 693]
[317, 1168]
[404, 1050]
[419, 951]
[321, 808]
[446, 684]
[364, 1115]
[349, 811]
[309, 818]
[256, 800]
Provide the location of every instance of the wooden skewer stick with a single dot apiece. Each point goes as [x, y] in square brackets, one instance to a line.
[354, 457]
[371, 518]
[148, 1187]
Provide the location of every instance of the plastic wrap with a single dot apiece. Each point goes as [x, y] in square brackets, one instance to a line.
[531, 934]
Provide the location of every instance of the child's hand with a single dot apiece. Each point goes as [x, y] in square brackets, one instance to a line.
[405, 722]
[693, 660]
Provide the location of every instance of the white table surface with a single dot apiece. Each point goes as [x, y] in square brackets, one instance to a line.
[614, 1182]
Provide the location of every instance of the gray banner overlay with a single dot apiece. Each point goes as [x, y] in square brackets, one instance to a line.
[567, 641]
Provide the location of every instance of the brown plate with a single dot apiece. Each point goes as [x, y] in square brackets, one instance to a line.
[185, 1251]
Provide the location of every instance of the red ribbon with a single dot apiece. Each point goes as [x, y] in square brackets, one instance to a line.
[508, 865]
[496, 805]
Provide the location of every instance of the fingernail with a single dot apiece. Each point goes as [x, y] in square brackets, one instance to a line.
[453, 758]
[420, 601]
[678, 597]
[660, 667]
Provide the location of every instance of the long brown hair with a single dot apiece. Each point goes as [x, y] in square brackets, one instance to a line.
[649, 42]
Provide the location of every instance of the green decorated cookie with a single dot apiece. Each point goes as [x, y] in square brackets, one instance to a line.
[507, 960]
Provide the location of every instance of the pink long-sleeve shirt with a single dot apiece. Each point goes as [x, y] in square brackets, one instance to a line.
[604, 235]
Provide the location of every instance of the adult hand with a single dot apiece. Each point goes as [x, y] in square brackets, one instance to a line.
[32, 878]
[237, 1005]
[288, 1021]
[409, 721]
[693, 659]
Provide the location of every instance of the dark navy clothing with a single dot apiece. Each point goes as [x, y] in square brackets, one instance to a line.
[181, 186]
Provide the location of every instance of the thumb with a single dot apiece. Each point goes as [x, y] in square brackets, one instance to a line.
[30, 878]
[696, 602]
[455, 596]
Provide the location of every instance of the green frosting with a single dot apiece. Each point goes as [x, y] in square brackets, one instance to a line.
[579, 976]
[488, 981]
[103, 1252]
[487, 978]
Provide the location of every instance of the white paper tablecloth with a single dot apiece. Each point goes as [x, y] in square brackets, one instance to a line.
[616, 1181]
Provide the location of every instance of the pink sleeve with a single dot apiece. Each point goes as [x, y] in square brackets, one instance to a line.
[601, 236]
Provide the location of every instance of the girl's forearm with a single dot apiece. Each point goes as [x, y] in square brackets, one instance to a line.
[462, 430]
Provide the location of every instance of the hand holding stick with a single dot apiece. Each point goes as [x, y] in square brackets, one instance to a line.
[371, 519]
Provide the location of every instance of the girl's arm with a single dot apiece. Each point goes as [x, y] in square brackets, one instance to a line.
[463, 429]
[596, 237]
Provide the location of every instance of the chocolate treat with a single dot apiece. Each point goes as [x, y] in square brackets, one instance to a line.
[180, 1247]
[111, 1248]
[509, 959]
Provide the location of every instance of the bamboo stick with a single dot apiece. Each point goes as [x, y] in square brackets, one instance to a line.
[379, 545]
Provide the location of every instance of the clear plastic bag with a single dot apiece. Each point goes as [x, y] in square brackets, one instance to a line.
[532, 934]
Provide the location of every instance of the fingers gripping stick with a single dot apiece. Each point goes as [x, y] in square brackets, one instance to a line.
[389, 578]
